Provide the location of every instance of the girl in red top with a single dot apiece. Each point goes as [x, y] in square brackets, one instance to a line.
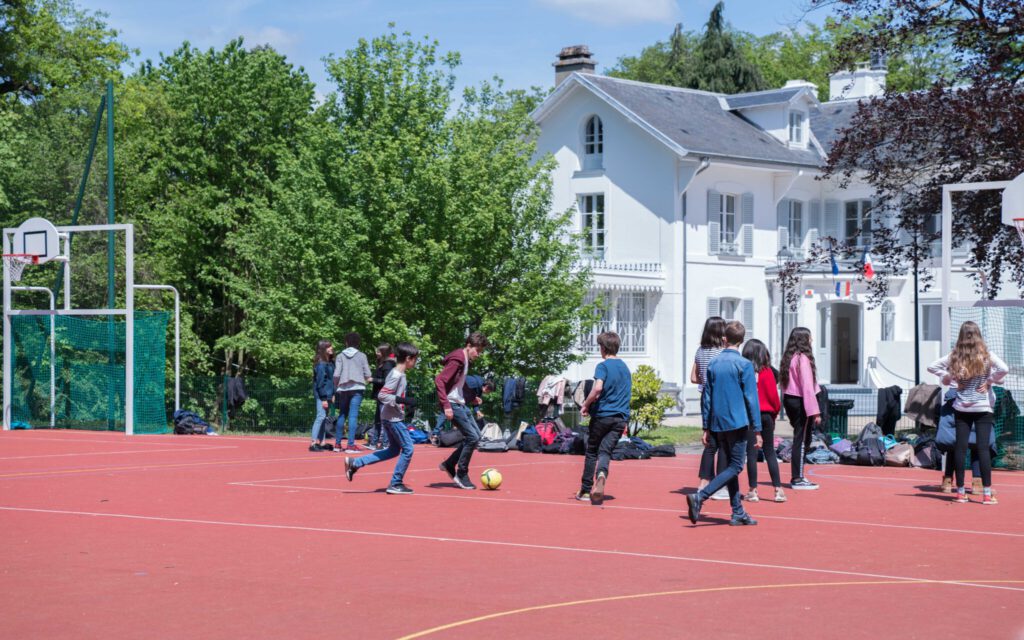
[768, 396]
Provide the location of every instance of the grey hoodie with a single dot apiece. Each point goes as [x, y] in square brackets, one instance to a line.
[351, 370]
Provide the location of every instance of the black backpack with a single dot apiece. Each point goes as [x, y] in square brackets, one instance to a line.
[870, 452]
[529, 443]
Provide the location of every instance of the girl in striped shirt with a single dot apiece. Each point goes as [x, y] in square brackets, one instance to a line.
[712, 342]
[974, 370]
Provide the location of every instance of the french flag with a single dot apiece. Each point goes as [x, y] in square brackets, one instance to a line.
[869, 270]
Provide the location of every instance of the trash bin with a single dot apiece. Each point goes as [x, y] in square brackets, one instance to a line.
[838, 411]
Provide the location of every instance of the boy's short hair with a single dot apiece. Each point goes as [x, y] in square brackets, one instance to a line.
[609, 342]
[735, 332]
[352, 339]
[477, 339]
[406, 350]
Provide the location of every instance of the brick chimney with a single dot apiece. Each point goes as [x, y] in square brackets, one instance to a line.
[574, 58]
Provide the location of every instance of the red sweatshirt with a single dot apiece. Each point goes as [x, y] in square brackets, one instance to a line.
[451, 377]
[768, 392]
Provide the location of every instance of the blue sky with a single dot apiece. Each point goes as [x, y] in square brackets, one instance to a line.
[516, 40]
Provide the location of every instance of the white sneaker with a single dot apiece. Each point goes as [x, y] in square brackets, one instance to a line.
[721, 494]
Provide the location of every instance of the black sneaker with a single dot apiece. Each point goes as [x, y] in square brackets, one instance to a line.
[463, 481]
[693, 507]
[742, 521]
[583, 496]
[449, 470]
[350, 469]
[398, 490]
[315, 447]
[802, 484]
[597, 493]
[327, 446]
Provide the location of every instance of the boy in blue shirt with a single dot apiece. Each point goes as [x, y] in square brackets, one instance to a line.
[608, 406]
[730, 406]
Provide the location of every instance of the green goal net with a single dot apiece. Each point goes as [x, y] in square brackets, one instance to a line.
[1003, 328]
[88, 371]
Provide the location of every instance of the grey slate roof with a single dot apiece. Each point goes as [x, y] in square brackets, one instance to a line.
[696, 121]
[829, 118]
[761, 98]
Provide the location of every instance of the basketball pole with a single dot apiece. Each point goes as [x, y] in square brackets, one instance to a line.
[111, 357]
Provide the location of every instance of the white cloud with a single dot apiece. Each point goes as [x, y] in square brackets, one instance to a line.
[276, 37]
[611, 12]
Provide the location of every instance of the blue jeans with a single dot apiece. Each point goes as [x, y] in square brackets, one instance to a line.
[399, 444]
[348, 404]
[321, 414]
[735, 445]
[463, 419]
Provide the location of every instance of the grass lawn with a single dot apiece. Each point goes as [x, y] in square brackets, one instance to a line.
[672, 435]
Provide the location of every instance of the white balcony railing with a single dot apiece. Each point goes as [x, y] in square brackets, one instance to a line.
[627, 267]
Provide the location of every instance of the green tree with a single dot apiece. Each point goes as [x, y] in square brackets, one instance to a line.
[647, 404]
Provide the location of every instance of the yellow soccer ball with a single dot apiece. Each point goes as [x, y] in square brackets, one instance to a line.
[491, 479]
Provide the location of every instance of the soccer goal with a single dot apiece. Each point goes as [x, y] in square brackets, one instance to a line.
[86, 368]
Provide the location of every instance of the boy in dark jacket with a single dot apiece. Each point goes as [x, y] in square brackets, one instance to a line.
[449, 384]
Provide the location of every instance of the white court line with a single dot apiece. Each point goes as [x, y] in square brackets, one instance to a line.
[576, 505]
[518, 545]
[341, 473]
[112, 453]
[816, 474]
[126, 441]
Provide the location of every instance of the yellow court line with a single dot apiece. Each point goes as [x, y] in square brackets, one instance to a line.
[559, 605]
[151, 466]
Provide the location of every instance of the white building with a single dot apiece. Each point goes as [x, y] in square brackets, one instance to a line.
[686, 198]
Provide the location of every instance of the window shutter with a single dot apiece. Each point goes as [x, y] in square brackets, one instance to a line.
[867, 227]
[714, 307]
[747, 220]
[782, 218]
[714, 226]
[748, 316]
[832, 219]
[813, 225]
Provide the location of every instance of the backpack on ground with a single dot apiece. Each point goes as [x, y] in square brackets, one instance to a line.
[626, 450]
[492, 439]
[189, 423]
[822, 455]
[547, 431]
[785, 450]
[899, 455]
[450, 438]
[529, 442]
[663, 451]
[839, 447]
[870, 452]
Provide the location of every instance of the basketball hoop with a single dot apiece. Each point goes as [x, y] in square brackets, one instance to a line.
[15, 263]
[1019, 223]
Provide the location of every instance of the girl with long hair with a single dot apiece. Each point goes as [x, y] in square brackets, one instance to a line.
[323, 391]
[799, 378]
[768, 397]
[712, 343]
[385, 363]
[974, 370]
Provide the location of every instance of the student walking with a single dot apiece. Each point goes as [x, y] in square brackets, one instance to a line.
[385, 363]
[800, 400]
[323, 391]
[730, 408]
[449, 384]
[351, 373]
[974, 370]
[608, 408]
[393, 404]
[768, 401]
[712, 342]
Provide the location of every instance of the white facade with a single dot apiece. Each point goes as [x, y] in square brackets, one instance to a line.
[682, 235]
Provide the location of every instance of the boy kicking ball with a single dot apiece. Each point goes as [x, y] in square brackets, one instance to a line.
[392, 414]
[730, 407]
[608, 406]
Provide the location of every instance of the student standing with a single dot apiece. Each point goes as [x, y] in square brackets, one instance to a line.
[351, 373]
[730, 408]
[974, 370]
[768, 401]
[608, 406]
[712, 342]
[449, 384]
[800, 400]
[393, 403]
[385, 363]
[323, 391]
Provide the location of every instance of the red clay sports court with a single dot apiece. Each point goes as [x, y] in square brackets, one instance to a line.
[173, 537]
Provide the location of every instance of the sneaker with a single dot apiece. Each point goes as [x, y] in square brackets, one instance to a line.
[327, 446]
[693, 507]
[802, 484]
[947, 485]
[597, 493]
[583, 496]
[315, 447]
[380, 446]
[462, 479]
[976, 487]
[350, 469]
[961, 496]
[398, 490]
[353, 448]
[752, 496]
[742, 521]
[449, 470]
[721, 494]
[780, 495]
[988, 498]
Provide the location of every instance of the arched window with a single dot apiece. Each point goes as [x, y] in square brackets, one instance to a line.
[888, 321]
[593, 143]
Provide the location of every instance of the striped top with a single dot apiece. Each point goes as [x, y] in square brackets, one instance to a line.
[968, 398]
[702, 359]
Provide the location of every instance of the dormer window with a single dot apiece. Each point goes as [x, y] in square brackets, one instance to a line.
[796, 128]
[593, 144]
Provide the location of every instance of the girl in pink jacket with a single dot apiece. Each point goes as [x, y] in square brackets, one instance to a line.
[798, 376]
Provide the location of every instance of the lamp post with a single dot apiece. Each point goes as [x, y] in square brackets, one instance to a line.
[782, 259]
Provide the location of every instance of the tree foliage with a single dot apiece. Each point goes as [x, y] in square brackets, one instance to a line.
[647, 404]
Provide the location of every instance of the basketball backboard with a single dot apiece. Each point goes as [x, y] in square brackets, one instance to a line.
[37, 236]
[1013, 200]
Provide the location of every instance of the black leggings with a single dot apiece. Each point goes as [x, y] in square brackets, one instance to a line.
[794, 406]
[768, 446]
[982, 424]
[707, 459]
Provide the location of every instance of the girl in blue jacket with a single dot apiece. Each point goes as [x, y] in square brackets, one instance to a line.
[323, 391]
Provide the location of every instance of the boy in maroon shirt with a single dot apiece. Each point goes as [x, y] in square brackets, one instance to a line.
[449, 384]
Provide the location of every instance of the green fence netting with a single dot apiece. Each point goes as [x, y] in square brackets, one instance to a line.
[89, 370]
